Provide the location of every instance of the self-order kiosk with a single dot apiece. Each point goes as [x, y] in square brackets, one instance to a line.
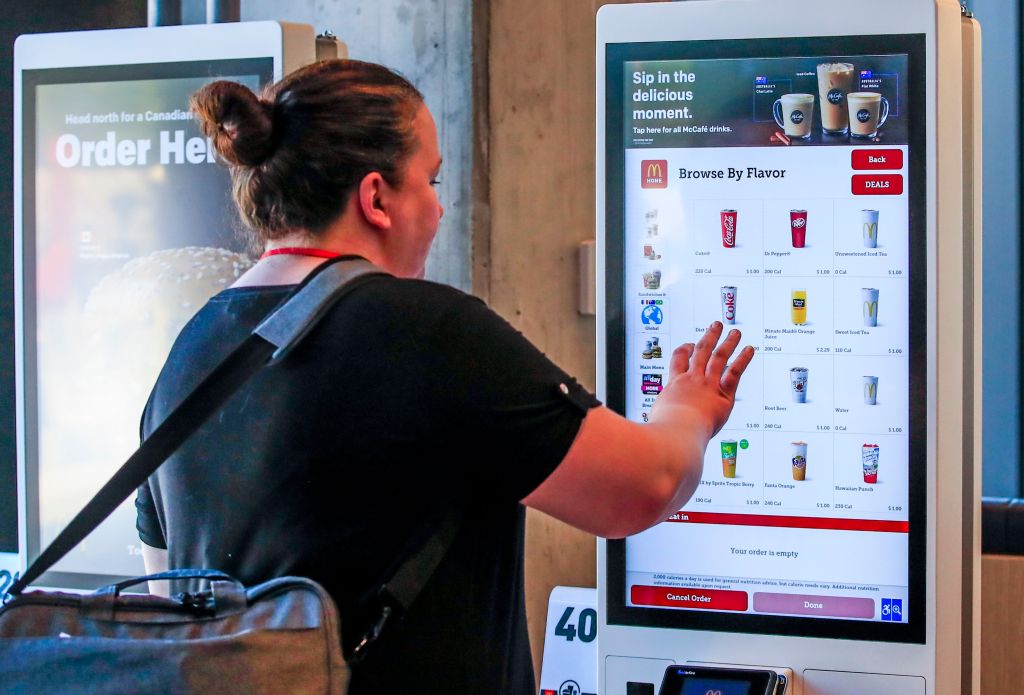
[123, 228]
[805, 172]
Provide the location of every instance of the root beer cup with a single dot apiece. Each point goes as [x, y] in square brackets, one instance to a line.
[729, 305]
[798, 384]
[798, 227]
[729, 229]
[869, 457]
[729, 451]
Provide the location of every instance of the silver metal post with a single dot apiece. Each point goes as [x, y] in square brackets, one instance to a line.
[163, 13]
[218, 11]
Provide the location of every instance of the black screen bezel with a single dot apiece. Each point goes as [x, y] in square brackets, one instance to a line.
[260, 67]
[914, 46]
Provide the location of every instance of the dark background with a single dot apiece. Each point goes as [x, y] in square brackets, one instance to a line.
[23, 17]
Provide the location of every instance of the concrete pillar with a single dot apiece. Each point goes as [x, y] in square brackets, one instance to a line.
[429, 42]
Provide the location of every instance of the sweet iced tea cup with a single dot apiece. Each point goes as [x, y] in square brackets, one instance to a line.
[869, 306]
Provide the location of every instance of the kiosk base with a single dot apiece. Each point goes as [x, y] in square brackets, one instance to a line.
[846, 683]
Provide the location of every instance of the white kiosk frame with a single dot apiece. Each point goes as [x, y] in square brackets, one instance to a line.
[947, 661]
[288, 45]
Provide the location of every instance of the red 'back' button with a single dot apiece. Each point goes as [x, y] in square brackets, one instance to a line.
[878, 159]
[877, 184]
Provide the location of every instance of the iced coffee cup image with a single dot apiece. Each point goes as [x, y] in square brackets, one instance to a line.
[794, 114]
[730, 447]
[835, 81]
[869, 458]
[869, 306]
[869, 228]
[798, 384]
[868, 113]
[798, 459]
[870, 390]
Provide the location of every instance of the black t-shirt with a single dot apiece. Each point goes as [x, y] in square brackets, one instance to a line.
[407, 398]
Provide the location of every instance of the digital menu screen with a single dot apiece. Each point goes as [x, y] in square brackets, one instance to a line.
[128, 229]
[777, 187]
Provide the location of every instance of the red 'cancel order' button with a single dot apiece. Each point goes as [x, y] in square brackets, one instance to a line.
[682, 597]
[877, 184]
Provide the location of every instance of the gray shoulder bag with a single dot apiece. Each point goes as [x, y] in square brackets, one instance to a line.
[280, 636]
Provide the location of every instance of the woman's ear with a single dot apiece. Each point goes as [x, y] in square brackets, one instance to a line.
[371, 196]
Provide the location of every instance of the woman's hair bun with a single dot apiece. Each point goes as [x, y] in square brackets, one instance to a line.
[240, 124]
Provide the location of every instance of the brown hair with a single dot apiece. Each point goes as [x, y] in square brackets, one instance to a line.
[298, 151]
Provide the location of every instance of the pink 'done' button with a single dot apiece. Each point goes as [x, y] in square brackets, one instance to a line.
[801, 604]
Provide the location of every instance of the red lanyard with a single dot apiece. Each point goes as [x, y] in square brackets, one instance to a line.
[299, 251]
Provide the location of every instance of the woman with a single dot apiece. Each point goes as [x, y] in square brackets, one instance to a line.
[407, 400]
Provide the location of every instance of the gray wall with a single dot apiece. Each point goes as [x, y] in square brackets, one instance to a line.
[430, 42]
[1001, 175]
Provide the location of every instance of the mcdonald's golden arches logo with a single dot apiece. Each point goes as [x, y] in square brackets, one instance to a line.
[654, 173]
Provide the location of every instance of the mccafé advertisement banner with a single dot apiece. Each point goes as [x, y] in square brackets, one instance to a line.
[750, 102]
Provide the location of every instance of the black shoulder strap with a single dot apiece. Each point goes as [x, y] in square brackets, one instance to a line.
[270, 341]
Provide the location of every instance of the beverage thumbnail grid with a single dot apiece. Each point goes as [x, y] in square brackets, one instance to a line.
[818, 283]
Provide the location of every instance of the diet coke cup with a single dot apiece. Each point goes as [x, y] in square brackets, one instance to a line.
[729, 229]
[798, 227]
[729, 305]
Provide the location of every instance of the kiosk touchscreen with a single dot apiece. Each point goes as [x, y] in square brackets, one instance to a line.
[124, 227]
[780, 167]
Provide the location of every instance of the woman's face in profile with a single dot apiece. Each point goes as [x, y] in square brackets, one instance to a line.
[417, 213]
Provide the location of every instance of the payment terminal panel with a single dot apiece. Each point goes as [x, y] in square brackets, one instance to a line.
[124, 227]
[777, 167]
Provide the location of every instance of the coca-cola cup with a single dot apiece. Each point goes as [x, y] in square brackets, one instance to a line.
[729, 229]
[798, 226]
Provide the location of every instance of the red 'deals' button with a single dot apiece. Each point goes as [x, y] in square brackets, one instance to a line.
[877, 184]
[878, 159]
[682, 597]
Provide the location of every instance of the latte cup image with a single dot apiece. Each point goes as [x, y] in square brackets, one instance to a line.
[794, 114]
[868, 113]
